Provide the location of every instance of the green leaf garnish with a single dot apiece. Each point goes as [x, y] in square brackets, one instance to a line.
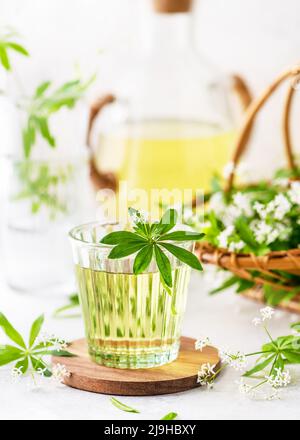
[11, 332]
[182, 236]
[7, 44]
[9, 354]
[170, 416]
[143, 259]
[296, 326]
[125, 249]
[151, 241]
[35, 329]
[183, 255]
[122, 406]
[31, 355]
[261, 366]
[164, 266]
[115, 237]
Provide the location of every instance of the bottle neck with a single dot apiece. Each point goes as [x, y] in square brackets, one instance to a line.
[168, 32]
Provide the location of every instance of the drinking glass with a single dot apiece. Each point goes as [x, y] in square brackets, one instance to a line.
[131, 321]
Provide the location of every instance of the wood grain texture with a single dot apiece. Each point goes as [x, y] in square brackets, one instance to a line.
[180, 375]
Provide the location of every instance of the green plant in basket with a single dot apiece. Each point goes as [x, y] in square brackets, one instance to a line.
[257, 220]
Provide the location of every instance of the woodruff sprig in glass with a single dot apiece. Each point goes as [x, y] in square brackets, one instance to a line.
[43, 104]
[150, 241]
[8, 44]
[40, 182]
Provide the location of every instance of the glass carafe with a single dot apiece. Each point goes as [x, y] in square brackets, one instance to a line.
[169, 122]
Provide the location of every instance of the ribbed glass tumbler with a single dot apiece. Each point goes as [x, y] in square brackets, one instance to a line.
[131, 321]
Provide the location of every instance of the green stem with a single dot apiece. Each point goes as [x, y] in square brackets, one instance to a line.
[218, 372]
[267, 331]
[259, 352]
[259, 385]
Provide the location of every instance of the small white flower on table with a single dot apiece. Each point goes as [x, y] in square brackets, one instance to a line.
[280, 379]
[59, 373]
[237, 361]
[202, 343]
[16, 374]
[205, 374]
[244, 388]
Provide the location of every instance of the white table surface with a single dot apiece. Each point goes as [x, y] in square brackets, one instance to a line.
[225, 318]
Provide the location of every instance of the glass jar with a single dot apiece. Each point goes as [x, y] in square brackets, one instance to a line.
[44, 201]
[130, 320]
[169, 122]
[46, 194]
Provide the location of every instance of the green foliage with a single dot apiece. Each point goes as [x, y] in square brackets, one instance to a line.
[170, 416]
[129, 409]
[43, 104]
[73, 303]
[240, 283]
[40, 185]
[274, 296]
[122, 406]
[8, 45]
[277, 354]
[39, 182]
[28, 355]
[256, 219]
[150, 240]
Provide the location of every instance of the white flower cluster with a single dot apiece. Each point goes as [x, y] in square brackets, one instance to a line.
[16, 374]
[294, 193]
[205, 375]
[280, 379]
[139, 216]
[265, 314]
[268, 233]
[237, 361]
[241, 205]
[254, 393]
[272, 224]
[226, 240]
[57, 344]
[276, 209]
[202, 343]
[269, 222]
[59, 373]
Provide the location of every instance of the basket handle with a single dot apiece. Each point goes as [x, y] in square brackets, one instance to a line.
[99, 179]
[250, 118]
[242, 90]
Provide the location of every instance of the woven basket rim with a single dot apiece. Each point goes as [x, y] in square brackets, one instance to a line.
[287, 260]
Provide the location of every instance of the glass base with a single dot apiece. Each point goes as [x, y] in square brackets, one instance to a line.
[134, 359]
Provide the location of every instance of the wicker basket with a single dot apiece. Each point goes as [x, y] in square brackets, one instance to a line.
[242, 264]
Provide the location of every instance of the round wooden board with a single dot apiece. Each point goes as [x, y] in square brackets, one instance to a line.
[180, 375]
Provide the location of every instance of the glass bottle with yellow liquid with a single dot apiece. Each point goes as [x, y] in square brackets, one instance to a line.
[170, 122]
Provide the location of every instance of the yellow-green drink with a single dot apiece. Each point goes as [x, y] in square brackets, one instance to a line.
[131, 321]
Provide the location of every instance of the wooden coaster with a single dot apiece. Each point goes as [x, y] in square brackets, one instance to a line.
[180, 375]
